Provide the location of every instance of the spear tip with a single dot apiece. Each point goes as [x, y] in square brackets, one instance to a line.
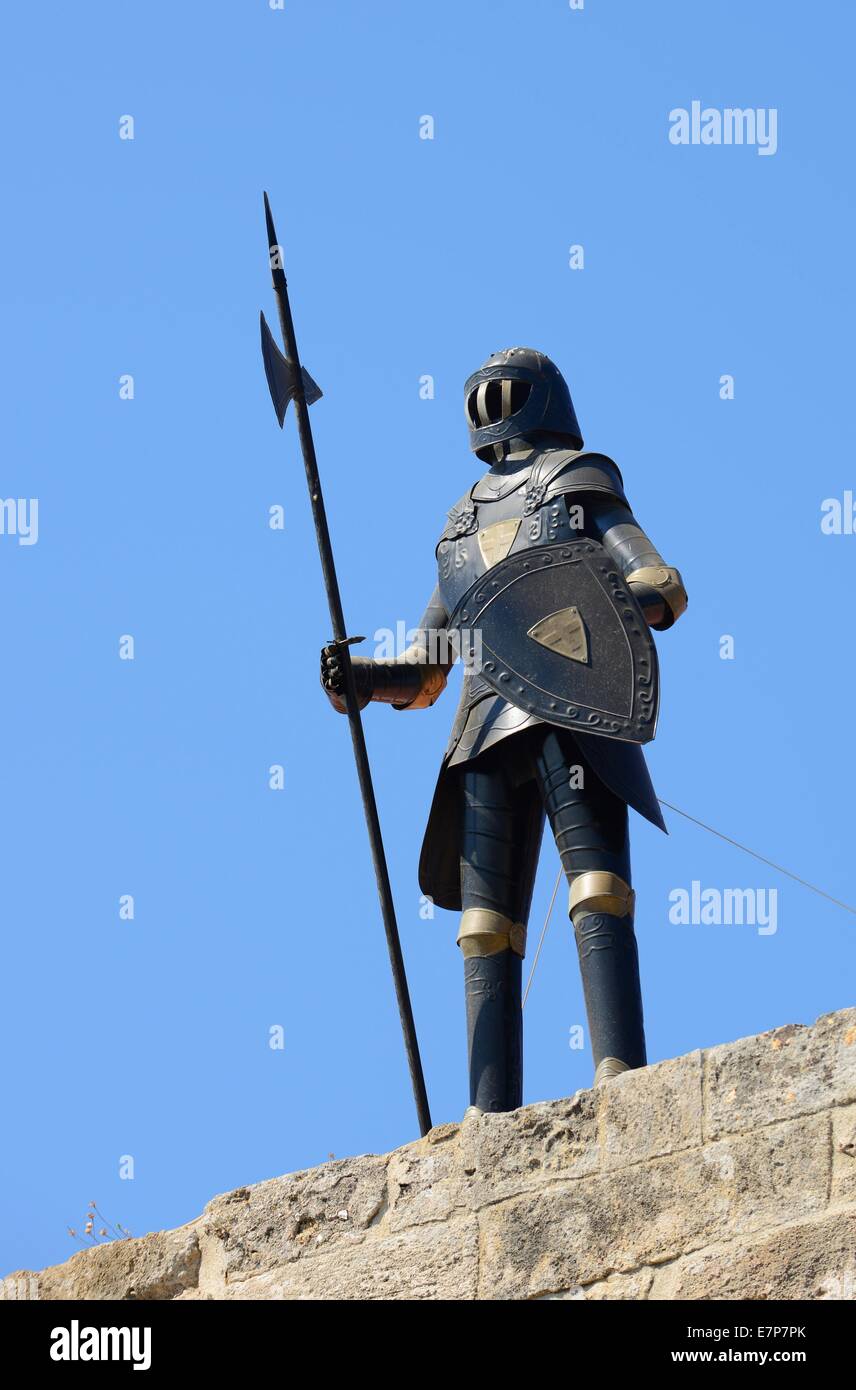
[271, 230]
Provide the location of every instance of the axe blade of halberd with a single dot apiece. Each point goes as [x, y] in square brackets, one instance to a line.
[281, 376]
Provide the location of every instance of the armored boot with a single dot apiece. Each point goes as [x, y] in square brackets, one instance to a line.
[601, 909]
[493, 948]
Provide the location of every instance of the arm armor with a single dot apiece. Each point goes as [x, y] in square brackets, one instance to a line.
[415, 679]
[658, 587]
[411, 681]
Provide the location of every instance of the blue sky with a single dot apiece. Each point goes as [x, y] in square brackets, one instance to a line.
[255, 908]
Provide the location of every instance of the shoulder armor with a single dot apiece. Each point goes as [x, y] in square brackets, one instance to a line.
[584, 472]
[462, 519]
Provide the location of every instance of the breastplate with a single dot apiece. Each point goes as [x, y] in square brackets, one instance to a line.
[485, 527]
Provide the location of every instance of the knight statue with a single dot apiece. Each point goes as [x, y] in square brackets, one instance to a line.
[547, 589]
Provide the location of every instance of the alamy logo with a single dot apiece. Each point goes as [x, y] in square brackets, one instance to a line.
[19, 1287]
[732, 125]
[839, 515]
[19, 516]
[430, 646]
[725, 907]
[76, 1343]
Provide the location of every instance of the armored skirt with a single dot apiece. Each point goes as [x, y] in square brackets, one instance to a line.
[484, 721]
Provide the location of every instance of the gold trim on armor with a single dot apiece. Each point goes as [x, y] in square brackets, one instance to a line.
[665, 579]
[483, 932]
[608, 1067]
[432, 678]
[599, 891]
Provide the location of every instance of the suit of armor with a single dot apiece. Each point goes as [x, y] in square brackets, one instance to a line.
[506, 769]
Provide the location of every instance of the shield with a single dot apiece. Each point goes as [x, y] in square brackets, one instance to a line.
[556, 631]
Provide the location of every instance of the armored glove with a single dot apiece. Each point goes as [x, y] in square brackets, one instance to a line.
[409, 682]
[333, 678]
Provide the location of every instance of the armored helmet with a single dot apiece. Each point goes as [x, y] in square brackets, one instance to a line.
[518, 392]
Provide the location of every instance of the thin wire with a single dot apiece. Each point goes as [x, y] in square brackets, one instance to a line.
[728, 840]
[772, 864]
[543, 934]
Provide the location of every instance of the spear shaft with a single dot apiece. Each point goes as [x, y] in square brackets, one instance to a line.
[292, 385]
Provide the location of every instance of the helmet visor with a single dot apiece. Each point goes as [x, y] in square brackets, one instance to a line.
[495, 400]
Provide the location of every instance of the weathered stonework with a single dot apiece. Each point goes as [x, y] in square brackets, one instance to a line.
[724, 1174]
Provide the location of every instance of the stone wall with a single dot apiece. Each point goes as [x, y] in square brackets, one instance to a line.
[728, 1173]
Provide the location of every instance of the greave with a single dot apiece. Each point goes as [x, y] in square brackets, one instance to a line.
[601, 909]
[609, 965]
[493, 947]
[494, 1030]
